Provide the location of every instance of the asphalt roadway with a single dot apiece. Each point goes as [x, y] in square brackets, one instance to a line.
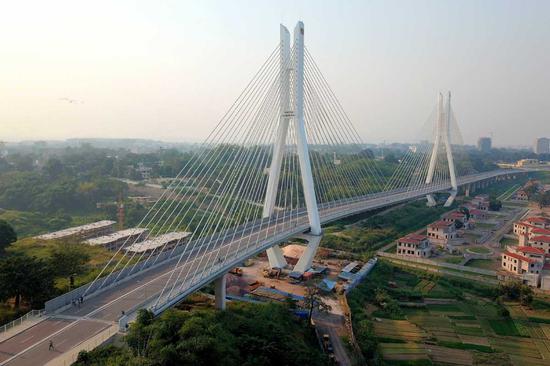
[73, 326]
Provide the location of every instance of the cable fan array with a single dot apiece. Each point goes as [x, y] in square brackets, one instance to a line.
[413, 171]
[218, 196]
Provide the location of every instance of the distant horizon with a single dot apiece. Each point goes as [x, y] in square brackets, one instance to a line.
[377, 143]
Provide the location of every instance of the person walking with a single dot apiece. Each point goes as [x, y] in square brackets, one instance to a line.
[51, 347]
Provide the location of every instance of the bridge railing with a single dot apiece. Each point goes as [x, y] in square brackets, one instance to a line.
[30, 315]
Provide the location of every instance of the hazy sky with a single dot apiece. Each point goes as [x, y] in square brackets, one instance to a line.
[169, 69]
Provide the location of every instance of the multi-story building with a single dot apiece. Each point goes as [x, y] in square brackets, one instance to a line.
[521, 195]
[542, 146]
[484, 144]
[455, 216]
[160, 243]
[526, 262]
[480, 202]
[527, 226]
[120, 238]
[441, 232]
[541, 242]
[82, 232]
[477, 214]
[414, 245]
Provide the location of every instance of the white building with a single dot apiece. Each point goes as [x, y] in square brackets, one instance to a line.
[160, 243]
[81, 232]
[441, 232]
[414, 245]
[120, 238]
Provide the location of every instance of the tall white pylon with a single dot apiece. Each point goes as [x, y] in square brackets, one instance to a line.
[443, 132]
[294, 113]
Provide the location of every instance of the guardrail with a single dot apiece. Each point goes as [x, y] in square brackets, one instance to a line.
[19, 321]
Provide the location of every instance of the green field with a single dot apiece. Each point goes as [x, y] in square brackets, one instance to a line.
[480, 250]
[482, 263]
[440, 319]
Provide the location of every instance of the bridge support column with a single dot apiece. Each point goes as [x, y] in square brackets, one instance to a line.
[219, 290]
[467, 191]
[306, 260]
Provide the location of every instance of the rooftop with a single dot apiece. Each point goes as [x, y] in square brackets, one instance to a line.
[518, 256]
[159, 241]
[106, 239]
[440, 224]
[541, 238]
[412, 239]
[540, 231]
[530, 250]
[538, 220]
[455, 215]
[76, 230]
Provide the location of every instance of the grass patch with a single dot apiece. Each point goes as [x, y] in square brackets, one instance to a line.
[539, 320]
[480, 250]
[467, 346]
[462, 317]
[454, 259]
[481, 263]
[504, 327]
[444, 308]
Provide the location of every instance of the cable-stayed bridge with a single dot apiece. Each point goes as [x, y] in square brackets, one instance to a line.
[284, 160]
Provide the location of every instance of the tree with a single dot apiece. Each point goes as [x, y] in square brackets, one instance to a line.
[313, 300]
[531, 190]
[25, 278]
[7, 235]
[543, 199]
[495, 204]
[68, 259]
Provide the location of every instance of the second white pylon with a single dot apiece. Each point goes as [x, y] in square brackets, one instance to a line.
[443, 136]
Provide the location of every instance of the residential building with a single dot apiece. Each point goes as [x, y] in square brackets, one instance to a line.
[542, 146]
[476, 214]
[484, 144]
[160, 243]
[120, 238]
[441, 232]
[82, 232]
[480, 202]
[541, 242]
[521, 195]
[527, 262]
[414, 245]
[536, 225]
[455, 216]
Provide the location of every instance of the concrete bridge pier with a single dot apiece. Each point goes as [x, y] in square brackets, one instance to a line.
[306, 260]
[220, 293]
[467, 191]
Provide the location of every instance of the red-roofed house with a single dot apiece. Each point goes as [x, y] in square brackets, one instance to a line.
[480, 202]
[538, 221]
[525, 261]
[414, 245]
[541, 242]
[477, 214]
[521, 195]
[454, 216]
[441, 232]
